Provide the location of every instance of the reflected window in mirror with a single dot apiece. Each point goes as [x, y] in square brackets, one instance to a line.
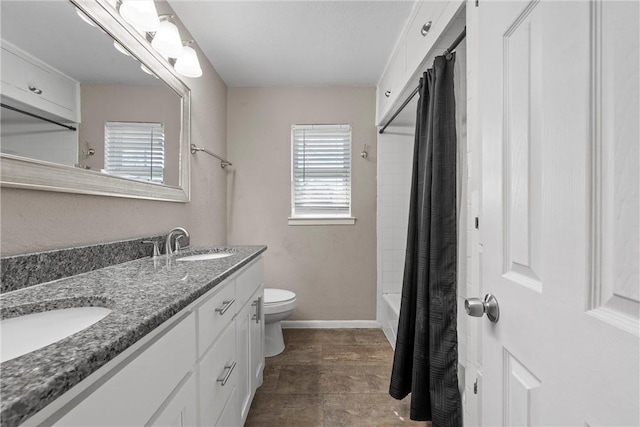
[135, 150]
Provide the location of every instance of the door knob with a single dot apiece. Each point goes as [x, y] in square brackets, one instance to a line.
[476, 307]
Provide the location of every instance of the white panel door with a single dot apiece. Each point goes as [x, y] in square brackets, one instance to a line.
[560, 235]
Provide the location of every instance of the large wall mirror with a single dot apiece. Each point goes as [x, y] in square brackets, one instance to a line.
[88, 106]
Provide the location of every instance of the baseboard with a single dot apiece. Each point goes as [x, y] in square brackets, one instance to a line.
[330, 324]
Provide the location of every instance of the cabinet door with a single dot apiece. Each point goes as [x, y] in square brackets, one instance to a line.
[51, 93]
[257, 339]
[243, 352]
[180, 410]
[392, 81]
[135, 393]
[218, 375]
[420, 42]
[250, 351]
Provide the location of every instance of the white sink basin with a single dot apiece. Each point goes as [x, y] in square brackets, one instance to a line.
[205, 257]
[24, 334]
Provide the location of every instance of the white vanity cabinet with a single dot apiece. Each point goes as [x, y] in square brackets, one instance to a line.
[232, 332]
[201, 367]
[37, 87]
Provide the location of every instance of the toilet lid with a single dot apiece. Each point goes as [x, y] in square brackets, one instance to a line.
[272, 296]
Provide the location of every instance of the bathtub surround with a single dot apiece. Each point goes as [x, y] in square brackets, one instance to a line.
[142, 294]
[395, 157]
[21, 271]
[390, 316]
[35, 221]
[332, 269]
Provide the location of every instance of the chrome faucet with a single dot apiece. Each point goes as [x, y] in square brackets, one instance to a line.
[167, 246]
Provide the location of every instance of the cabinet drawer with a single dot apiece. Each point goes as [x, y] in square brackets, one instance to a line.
[215, 314]
[151, 377]
[59, 96]
[418, 45]
[391, 82]
[249, 280]
[218, 364]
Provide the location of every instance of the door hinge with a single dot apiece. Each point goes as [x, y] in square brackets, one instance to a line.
[475, 387]
[477, 223]
[477, 3]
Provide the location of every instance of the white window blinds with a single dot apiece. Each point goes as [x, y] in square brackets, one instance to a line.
[321, 171]
[134, 150]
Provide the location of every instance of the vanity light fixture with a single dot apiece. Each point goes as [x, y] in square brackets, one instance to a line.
[167, 38]
[164, 36]
[187, 64]
[142, 14]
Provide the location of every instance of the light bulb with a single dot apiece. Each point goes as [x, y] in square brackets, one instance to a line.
[141, 14]
[147, 70]
[120, 48]
[188, 64]
[85, 18]
[167, 40]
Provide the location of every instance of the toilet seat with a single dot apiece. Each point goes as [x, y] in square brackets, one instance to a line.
[278, 301]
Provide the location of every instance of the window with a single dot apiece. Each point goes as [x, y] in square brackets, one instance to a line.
[321, 174]
[134, 150]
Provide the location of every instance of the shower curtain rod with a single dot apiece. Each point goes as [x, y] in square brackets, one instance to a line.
[9, 107]
[446, 52]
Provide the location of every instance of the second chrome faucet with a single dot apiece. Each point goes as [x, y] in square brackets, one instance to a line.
[179, 233]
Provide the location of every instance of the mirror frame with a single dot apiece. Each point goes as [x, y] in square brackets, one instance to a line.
[21, 172]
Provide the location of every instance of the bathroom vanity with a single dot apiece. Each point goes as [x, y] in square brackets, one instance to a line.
[183, 344]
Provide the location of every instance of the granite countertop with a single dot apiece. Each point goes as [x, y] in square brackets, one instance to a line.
[142, 294]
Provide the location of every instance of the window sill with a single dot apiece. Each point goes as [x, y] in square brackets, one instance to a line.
[322, 221]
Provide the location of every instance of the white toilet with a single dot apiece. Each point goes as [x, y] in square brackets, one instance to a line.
[278, 305]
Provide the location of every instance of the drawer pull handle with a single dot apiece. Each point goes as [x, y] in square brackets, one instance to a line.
[425, 29]
[226, 304]
[387, 93]
[35, 90]
[229, 369]
[258, 305]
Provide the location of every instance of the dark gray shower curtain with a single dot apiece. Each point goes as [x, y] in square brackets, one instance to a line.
[426, 357]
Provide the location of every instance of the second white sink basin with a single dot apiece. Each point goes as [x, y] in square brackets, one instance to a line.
[205, 257]
[24, 334]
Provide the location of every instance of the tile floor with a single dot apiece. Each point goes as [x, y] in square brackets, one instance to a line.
[331, 378]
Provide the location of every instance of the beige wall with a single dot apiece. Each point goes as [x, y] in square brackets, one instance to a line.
[332, 269]
[38, 220]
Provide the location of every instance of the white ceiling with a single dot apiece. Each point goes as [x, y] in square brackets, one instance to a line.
[295, 43]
